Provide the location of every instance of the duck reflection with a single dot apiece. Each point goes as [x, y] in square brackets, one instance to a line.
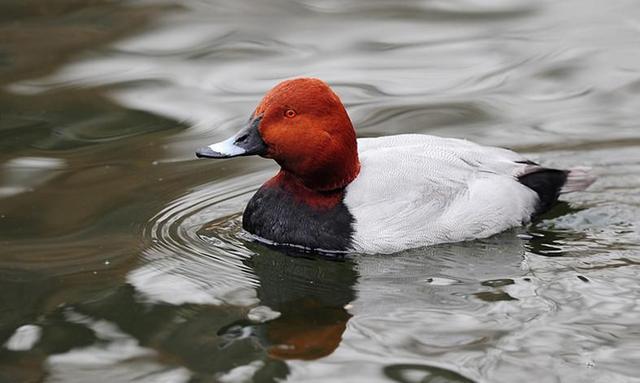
[300, 314]
[551, 242]
[302, 301]
[310, 293]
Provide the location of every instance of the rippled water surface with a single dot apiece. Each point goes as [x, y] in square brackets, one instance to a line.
[122, 257]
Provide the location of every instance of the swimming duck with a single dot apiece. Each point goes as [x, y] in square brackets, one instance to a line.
[379, 195]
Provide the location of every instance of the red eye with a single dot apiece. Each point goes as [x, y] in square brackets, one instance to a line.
[290, 113]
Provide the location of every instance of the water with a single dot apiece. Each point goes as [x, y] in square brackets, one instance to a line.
[122, 257]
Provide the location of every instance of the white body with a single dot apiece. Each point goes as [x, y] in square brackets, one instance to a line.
[418, 190]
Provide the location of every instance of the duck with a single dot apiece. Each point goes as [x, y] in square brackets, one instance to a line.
[335, 192]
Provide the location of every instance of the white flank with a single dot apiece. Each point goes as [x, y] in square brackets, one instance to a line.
[418, 190]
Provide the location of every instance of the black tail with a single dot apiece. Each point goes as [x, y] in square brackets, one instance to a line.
[547, 183]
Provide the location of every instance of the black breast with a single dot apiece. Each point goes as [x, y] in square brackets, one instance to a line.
[274, 214]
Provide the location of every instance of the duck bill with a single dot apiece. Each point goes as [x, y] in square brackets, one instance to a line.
[246, 142]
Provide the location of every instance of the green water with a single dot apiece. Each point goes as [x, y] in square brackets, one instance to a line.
[122, 257]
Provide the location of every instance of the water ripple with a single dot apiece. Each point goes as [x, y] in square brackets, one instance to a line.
[195, 249]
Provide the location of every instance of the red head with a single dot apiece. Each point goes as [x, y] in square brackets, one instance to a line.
[304, 127]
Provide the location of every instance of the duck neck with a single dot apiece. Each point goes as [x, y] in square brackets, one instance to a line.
[329, 171]
[322, 199]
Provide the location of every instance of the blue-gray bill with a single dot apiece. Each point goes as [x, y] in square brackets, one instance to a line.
[246, 142]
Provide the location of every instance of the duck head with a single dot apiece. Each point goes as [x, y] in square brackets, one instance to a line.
[303, 126]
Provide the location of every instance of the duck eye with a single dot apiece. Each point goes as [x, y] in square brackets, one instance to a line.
[290, 113]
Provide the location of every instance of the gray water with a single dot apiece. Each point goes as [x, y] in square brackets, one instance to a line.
[122, 257]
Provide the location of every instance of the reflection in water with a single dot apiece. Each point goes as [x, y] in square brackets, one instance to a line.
[122, 258]
[311, 295]
[301, 315]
